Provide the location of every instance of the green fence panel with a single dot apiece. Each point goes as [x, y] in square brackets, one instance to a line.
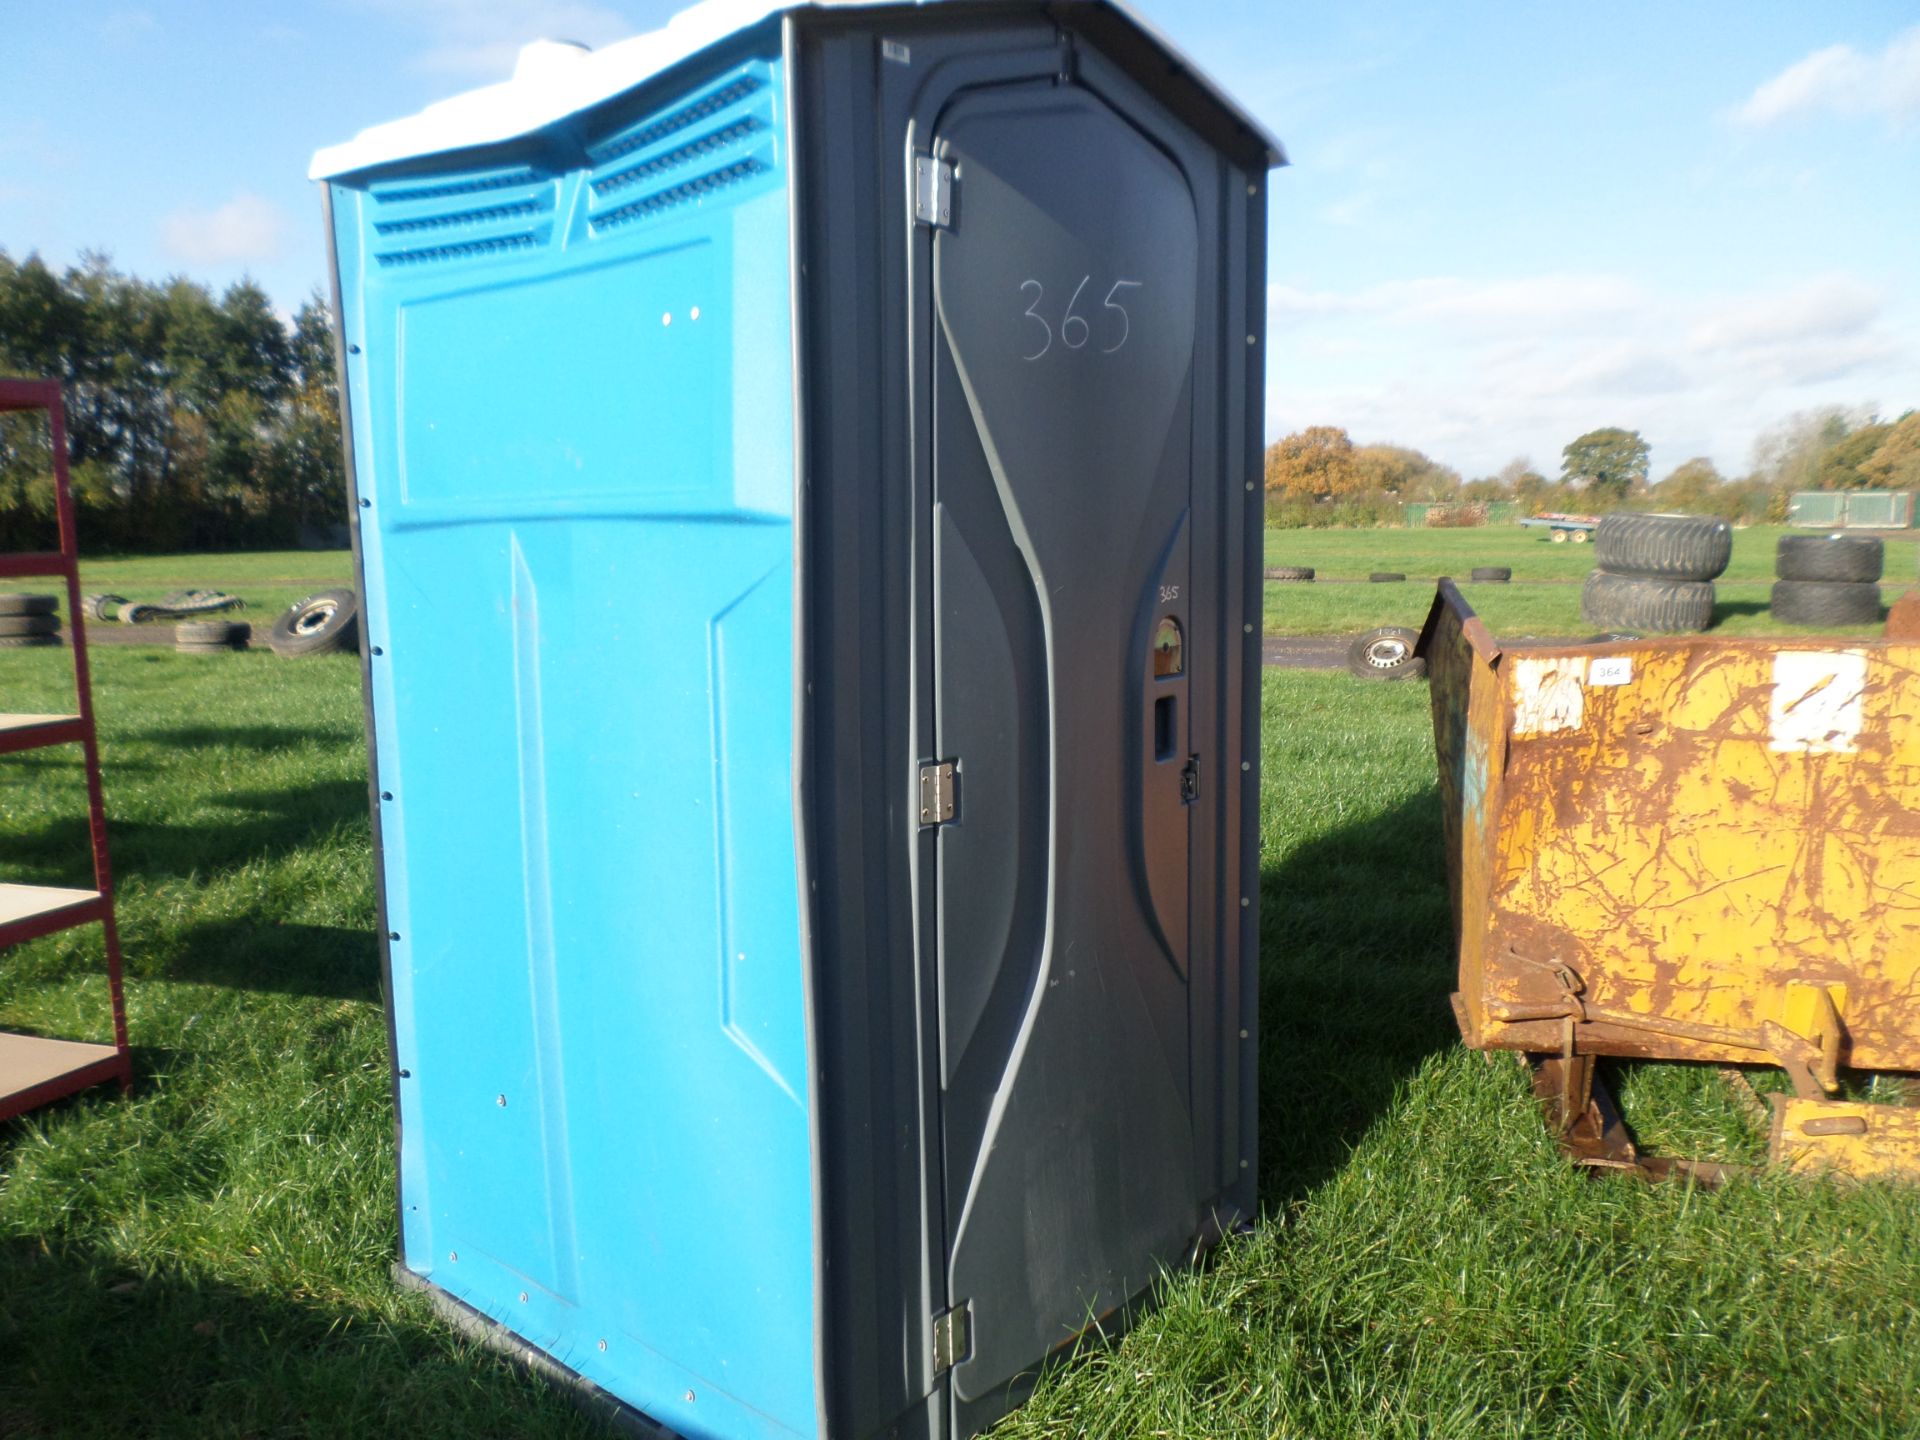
[1879, 509]
[1817, 509]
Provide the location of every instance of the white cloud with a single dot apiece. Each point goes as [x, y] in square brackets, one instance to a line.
[1527, 303]
[1827, 307]
[246, 230]
[1476, 371]
[1842, 81]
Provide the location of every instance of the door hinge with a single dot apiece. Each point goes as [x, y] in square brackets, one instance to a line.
[937, 792]
[1190, 780]
[932, 192]
[952, 1336]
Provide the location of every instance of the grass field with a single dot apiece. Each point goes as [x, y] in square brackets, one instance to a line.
[209, 1257]
[1544, 598]
[267, 580]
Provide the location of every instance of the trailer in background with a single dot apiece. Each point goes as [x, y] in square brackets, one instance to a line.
[1562, 528]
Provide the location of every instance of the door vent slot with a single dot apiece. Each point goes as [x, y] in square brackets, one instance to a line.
[686, 192]
[474, 185]
[674, 121]
[488, 215]
[514, 212]
[471, 250]
[718, 139]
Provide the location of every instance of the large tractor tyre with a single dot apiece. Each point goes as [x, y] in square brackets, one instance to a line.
[1826, 603]
[1386, 577]
[1491, 574]
[15, 626]
[1386, 654]
[1289, 572]
[318, 625]
[27, 604]
[1663, 547]
[1857, 559]
[1645, 606]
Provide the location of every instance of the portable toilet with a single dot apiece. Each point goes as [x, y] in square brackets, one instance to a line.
[806, 476]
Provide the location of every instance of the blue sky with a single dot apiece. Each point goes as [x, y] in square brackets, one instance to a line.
[1503, 225]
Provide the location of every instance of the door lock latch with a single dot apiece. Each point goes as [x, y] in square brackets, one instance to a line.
[1190, 780]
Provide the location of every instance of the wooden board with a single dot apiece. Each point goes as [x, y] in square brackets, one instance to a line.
[23, 902]
[27, 722]
[28, 1062]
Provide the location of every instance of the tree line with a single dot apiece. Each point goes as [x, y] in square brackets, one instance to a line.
[1318, 476]
[194, 422]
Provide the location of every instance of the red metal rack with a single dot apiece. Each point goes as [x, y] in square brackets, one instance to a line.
[35, 1070]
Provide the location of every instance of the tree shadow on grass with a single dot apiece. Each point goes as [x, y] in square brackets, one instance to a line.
[90, 1346]
[329, 962]
[265, 739]
[1356, 967]
[266, 825]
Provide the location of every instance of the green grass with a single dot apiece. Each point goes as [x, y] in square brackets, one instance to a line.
[209, 1257]
[267, 580]
[1542, 600]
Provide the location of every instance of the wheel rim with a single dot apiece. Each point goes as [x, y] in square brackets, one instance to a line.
[313, 619]
[1386, 653]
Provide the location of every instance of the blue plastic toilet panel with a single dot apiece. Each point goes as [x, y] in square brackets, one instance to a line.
[572, 424]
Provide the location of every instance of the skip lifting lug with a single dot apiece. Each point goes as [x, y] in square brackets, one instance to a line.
[932, 192]
[952, 1336]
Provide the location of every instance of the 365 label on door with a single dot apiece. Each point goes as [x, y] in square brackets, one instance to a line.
[1075, 331]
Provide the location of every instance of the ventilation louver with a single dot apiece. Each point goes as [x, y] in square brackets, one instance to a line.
[665, 161]
[490, 214]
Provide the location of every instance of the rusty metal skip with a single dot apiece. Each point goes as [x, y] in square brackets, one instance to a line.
[1688, 848]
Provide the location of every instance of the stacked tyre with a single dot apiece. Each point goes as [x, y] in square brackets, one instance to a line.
[1655, 573]
[1827, 580]
[28, 622]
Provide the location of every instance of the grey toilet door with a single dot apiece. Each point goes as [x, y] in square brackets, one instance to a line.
[1064, 305]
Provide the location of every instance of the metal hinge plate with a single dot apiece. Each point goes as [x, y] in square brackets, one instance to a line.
[952, 1335]
[932, 192]
[937, 792]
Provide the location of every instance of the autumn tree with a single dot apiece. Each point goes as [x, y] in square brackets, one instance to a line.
[1788, 455]
[1313, 464]
[1689, 486]
[1607, 464]
[1400, 470]
[1533, 492]
[1895, 465]
[1841, 467]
